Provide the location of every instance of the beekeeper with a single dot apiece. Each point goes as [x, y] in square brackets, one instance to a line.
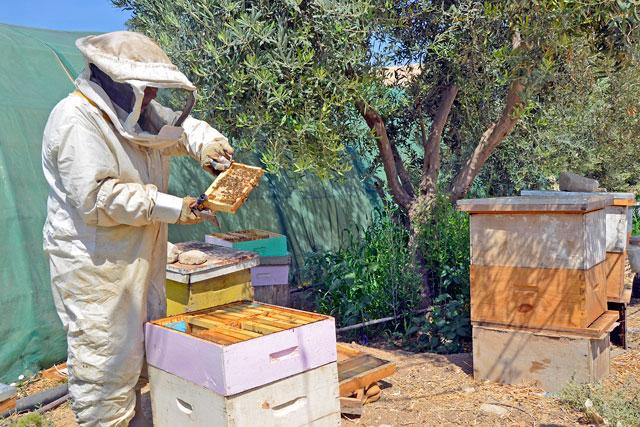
[105, 155]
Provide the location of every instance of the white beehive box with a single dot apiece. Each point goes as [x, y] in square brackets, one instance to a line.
[306, 399]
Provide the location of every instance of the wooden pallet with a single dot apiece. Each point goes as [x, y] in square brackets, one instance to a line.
[232, 187]
[603, 325]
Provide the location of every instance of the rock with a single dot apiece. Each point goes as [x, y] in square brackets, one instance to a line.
[172, 253]
[468, 389]
[573, 182]
[193, 257]
[494, 409]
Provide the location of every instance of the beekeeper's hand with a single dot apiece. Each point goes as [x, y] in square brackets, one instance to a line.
[216, 156]
[187, 216]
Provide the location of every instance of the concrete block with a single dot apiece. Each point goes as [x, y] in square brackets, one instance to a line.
[573, 182]
[549, 360]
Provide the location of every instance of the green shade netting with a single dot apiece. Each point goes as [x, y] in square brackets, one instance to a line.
[35, 71]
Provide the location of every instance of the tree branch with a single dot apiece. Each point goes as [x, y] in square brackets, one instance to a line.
[405, 179]
[375, 123]
[431, 162]
[489, 140]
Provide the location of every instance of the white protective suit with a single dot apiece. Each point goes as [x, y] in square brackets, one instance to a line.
[106, 227]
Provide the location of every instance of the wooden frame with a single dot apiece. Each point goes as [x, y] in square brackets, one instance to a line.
[218, 198]
[358, 370]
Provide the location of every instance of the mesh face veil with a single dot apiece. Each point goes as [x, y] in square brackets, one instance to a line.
[132, 80]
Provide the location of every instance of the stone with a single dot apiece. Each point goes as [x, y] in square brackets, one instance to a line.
[172, 253]
[494, 409]
[194, 257]
[573, 182]
[468, 389]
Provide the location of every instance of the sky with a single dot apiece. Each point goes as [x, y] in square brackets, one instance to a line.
[67, 15]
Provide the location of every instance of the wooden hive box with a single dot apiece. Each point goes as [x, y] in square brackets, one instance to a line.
[240, 346]
[264, 243]
[232, 187]
[224, 278]
[306, 399]
[537, 261]
[549, 359]
[270, 280]
[618, 219]
[358, 370]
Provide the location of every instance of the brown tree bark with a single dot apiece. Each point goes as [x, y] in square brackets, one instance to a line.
[431, 145]
[376, 123]
[490, 139]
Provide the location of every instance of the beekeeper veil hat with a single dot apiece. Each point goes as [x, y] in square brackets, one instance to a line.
[133, 61]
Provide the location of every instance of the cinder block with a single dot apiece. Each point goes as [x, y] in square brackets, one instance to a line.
[547, 359]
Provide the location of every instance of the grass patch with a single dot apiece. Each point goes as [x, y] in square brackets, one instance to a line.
[31, 420]
[618, 407]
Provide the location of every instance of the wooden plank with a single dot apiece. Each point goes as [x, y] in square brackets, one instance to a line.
[350, 406]
[579, 204]
[538, 241]
[225, 328]
[615, 275]
[7, 404]
[538, 297]
[358, 370]
[272, 294]
[215, 337]
[602, 326]
[259, 327]
[366, 378]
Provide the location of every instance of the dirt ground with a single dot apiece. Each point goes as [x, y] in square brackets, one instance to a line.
[430, 390]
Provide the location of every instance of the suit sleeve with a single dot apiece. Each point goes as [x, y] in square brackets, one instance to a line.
[89, 175]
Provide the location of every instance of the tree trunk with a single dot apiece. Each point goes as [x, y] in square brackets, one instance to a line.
[431, 145]
[490, 139]
[376, 123]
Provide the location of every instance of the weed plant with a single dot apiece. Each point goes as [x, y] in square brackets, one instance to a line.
[619, 406]
[370, 277]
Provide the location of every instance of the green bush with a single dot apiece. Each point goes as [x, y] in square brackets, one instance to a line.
[371, 276]
[444, 329]
[443, 237]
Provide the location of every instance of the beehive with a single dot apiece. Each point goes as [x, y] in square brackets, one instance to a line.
[240, 346]
[306, 399]
[224, 278]
[618, 218]
[537, 261]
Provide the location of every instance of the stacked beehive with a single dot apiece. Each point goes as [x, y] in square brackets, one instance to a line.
[618, 217]
[538, 289]
[243, 364]
[225, 277]
[270, 278]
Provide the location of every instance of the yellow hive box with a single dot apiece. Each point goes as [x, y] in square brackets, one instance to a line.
[224, 278]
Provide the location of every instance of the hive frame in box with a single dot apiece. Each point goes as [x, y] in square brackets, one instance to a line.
[234, 356]
[218, 206]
